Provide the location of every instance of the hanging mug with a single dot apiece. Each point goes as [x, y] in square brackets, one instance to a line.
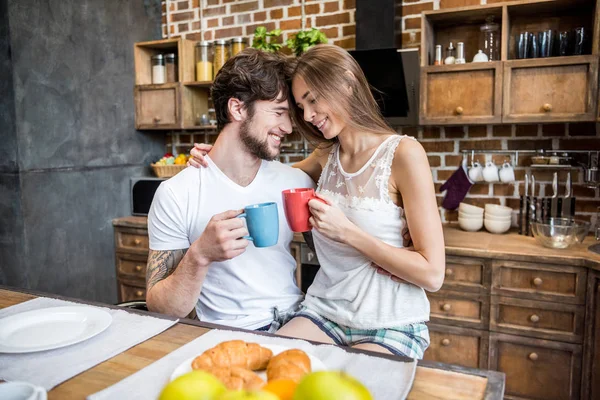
[476, 172]
[507, 174]
[490, 172]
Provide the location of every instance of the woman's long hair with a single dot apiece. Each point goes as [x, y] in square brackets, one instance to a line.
[334, 77]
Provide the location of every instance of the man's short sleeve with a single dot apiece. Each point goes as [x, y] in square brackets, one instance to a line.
[166, 222]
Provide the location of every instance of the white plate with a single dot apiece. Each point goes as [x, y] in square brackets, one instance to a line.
[186, 366]
[51, 328]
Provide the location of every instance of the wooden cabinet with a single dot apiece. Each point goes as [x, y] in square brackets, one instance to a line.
[536, 369]
[131, 257]
[460, 309]
[591, 365]
[507, 90]
[461, 94]
[467, 275]
[157, 106]
[549, 90]
[459, 346]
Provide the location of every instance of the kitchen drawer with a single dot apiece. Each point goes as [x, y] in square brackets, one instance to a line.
[560, 89]
[132, 240]
[535, 368]
[129, 293]
[461, 94]
[157, 106]
[542, 319]
[132, 266]
[467, 274]
[459, 346]
[547, 282]
[459, 309]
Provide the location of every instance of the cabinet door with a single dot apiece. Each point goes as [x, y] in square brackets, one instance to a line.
[459, 346]
[470, 310]
[467, 274]
[131, 240]
[128, 292]
[157, 106]
[591, 369]
[535, 368]
[461, 94]
[557, 89]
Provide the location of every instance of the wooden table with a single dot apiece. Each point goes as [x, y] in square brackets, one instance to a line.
[432, 380]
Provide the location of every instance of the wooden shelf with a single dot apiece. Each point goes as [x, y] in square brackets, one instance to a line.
[143, 52]
[201, 84]
[200, 127]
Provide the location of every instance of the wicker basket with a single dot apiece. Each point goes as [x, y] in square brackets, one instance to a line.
[167, 171]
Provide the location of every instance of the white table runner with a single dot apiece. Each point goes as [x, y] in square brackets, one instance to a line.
[52, 367]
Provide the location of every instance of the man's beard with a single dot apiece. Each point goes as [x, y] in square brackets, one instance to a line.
[256, 147]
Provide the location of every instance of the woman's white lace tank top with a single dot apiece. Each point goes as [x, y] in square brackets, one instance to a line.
[347, 289]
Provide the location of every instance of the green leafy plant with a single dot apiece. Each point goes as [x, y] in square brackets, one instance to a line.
[304, 40]
[263, 39]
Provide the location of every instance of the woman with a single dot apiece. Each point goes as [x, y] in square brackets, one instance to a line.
[376, 185]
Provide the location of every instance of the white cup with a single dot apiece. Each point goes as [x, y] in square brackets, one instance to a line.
[476, 172]
[21, 391]
[507, 174]
[490, 172]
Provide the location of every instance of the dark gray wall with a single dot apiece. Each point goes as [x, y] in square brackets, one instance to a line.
[72, 78]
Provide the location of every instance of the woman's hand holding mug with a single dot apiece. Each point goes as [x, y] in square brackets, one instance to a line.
[198, 153]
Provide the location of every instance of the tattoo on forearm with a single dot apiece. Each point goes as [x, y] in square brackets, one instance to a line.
[161, 265]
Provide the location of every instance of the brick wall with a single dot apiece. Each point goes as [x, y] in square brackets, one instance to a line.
[216, 19]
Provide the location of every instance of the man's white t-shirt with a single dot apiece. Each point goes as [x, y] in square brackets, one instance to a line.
[243, 291]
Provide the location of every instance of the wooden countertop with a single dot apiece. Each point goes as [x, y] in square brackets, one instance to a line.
[508, 246]
[432, 380]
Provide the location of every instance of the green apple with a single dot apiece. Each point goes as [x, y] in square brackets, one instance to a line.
[328, 385]
[195, 385]
[246, 395]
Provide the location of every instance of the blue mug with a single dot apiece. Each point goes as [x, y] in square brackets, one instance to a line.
[263, 224]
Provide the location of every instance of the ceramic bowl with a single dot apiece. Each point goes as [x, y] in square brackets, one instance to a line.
[499, 219]
[470, 225]
[496, 226]
[469, 216]
[497, 210]
[469, 209]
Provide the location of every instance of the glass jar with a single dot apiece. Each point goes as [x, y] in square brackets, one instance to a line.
[204, 61]
[221, 54]
[237, 45]
[159, 73]
[489, 42]
[450, 59]
[171, 67]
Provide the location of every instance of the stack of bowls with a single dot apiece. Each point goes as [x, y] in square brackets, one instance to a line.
[470, 218]
[497, 218]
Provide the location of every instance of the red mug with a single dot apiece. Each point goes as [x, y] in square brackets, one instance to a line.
[295, 205]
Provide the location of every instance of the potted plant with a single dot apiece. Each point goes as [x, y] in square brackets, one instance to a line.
[263, 40]
[304, 40]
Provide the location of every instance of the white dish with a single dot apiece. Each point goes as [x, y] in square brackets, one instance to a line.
[51, 328]
[470, 225]
[186, 366]
[470, 209]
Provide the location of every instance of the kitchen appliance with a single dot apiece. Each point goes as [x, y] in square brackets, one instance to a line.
[142, 193]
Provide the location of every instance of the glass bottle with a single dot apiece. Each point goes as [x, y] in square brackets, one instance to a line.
[159, 73]
[171, 67]
[489, 41]
[237, 45]
[221, 54]
[438, 55]
[460, 55]
[450, 54]
[204, 61]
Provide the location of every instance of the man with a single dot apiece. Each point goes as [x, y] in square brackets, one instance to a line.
[198, 257]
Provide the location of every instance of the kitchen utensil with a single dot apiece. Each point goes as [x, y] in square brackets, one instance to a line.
[554, 200]
[534, 46]
[579, 41]
[564, 43]
[546, 42]
[559, 233]
[566, 201]
[521, 205]
[523, 44]
[490, 172]
[532, 205]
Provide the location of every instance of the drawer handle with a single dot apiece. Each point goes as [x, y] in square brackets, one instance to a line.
[446, 342]
[547, 107]
[449, 272]
[533, 356]
[537, 282]
[534, 318]
[137, 242]
[447, 307]
[139, 293]
[156, 120]
[459, 110]
[138, 268]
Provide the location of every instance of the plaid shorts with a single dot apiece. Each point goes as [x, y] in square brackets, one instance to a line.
[408, 340]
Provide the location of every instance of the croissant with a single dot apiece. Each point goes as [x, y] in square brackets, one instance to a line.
[290, 364]
[234, 353]
[237, 378]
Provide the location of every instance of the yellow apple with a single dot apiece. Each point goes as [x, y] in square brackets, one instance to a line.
[247, 395]
[328, 385]
[195, 385]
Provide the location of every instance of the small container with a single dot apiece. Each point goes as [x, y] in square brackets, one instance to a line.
[460, 55]
[171, 67]
[204, 61]
[450, 59]
[159, 72]
[490, 39]
[438, 55]
[221, 54]
[237, 45]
